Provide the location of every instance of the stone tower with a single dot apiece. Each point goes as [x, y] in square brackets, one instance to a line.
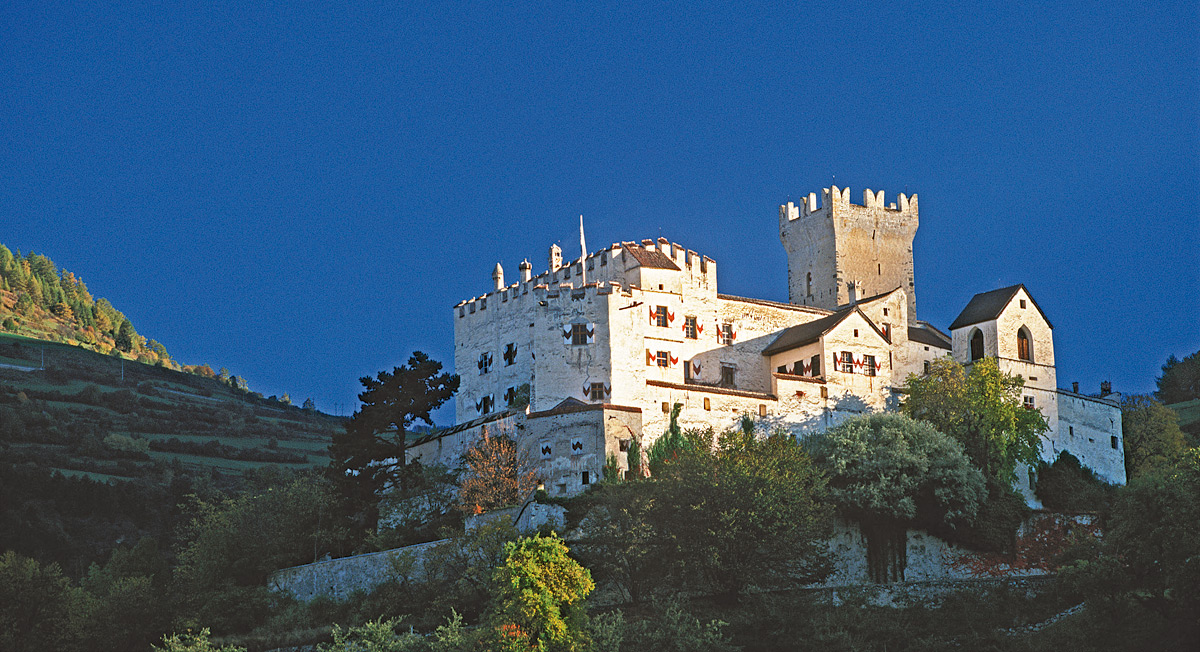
[839, 246]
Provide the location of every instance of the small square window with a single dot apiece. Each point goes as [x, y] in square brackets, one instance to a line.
[707, 404]
[856, 332]
[869, 365]
[1022, 303]
[727, 375]
[579, 334]
[1114, 442]
[782, 369]
[596, 392]
[666, 407]
[762, 410]
[623, 445]
[885, 312]
[663, 359]
[587, 477]
[1028, 402]
[847, 361]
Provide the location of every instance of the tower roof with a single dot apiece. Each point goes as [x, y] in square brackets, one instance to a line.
[650, 258]
[987, 306]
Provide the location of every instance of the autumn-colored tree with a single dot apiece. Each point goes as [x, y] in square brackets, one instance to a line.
[537, 603]
[496, 473]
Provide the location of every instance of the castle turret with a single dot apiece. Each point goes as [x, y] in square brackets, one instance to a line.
[555, 257]
[498, 276]
[526, 270]
[840, 245]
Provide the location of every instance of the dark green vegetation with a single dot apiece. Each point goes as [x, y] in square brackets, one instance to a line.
[706, 549]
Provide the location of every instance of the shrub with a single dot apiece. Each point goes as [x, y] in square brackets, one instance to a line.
[1068, 486]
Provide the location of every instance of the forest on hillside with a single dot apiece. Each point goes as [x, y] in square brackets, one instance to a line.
[39, 300]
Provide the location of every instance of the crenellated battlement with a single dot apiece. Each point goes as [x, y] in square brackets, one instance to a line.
[834, 197]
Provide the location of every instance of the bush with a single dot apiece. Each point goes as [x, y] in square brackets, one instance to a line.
[1068, 486]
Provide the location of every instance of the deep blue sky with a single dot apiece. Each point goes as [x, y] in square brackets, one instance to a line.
[301, 192]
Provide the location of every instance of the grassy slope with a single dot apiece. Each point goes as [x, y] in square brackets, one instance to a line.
[165, 404]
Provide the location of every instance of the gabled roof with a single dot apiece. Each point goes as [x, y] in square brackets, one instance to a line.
[928, 335]
[987, 306]
[650, 258]
[802, 334]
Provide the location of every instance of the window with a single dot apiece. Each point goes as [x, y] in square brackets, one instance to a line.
[707, 404]
[596, 391]
[510, 354]
[782, 369]
[486, 404]
[869, 365]
[809, 293]
[580, 334]
[977, 345]
[485, 363]
[662, 359]
[727, 373]
[1028, 402]
[816, 365]
[1024, 350]
[1032, 479]
[885, 313]
[762, 410]
[926, 367]
[689, 328]
[603, 259]
[1071, 431]
[586, 478]
[725, 334]
[1114, 442]
[1022, 303]
[847, 361]
[660, 316]
[623, 445]
[856, 332]
[798, 368]
[666, 407]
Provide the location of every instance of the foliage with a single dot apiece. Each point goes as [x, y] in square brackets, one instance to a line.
[622, 545]
[189, 642]
[496, 473]
[231, 545]
[1180, 379]
[981, 409]
[888, 472]
[887, 467]
[132, 593]
[39, 609]
[671, 445]
[1068, 486]
[612, 468]
[371, 454]
[538, 597]
[1151, 434]
[1148, 564]
[634, 458]
[1042, 547]
[668, 627]
[375, 636]
[747, 514]
[996, 523]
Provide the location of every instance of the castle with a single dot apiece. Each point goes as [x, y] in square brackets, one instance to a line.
[580, 359]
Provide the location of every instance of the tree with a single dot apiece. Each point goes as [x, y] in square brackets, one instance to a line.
[981, 409]
[888, 472]
[39, 609]
[1150, 430]
[748, 514]
[1069, 486]
[309, 404]
[537, 603]
[126, 336]
[496, 473]
[1180, 379]
[371, 454]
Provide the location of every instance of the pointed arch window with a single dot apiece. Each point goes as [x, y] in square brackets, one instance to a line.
[976, 345]
[1024, 345]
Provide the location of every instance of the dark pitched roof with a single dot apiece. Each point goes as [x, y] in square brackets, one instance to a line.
[872, 298]
[801, 334]
[650, 258]
[925, 335]
[987, 306]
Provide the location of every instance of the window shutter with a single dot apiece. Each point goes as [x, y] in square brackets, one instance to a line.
[591, 333]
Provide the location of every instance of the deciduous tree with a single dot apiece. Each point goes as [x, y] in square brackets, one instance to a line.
[496, 473]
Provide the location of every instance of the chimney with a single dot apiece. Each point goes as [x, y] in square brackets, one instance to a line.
[1105, 388]
[555, 257]
[1075, 387]
[852, 289]
[526, 270]
[498, 276]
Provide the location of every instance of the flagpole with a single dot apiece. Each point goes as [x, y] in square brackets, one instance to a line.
[582, 255]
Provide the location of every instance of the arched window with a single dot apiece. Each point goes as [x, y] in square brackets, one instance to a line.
[1024, 345]
[809, 284]
[976, 345]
